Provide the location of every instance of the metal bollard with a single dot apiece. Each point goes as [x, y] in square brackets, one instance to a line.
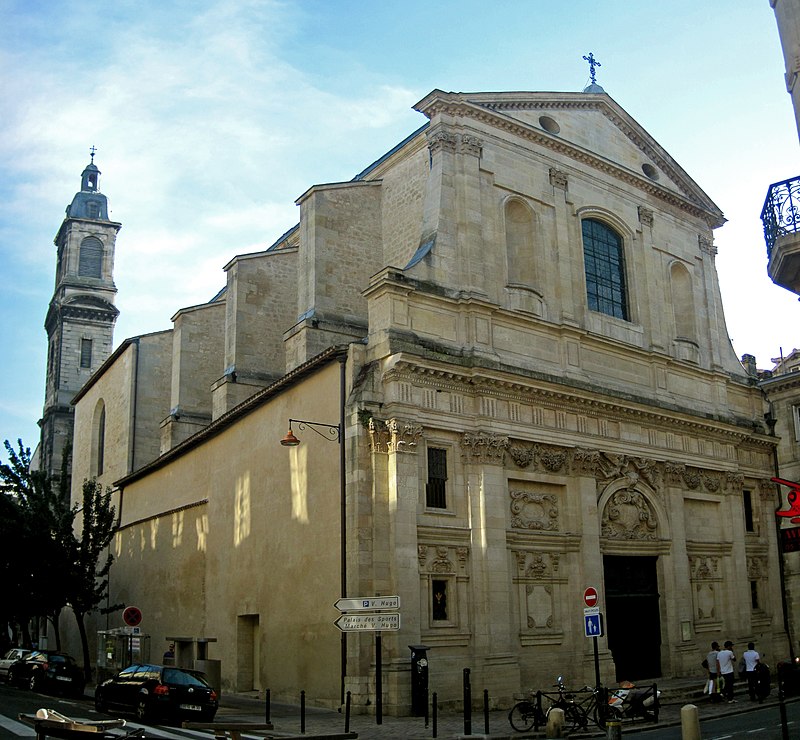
[467, 704]
[435, 712]
[486, 711]
[347, 712]
[613, 729]
[303, 712]
[690, 722]
[555, 723]
[267, 708]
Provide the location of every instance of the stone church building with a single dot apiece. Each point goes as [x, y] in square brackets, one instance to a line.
[502, 350]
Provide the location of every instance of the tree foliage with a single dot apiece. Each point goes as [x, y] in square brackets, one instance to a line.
[47, 561]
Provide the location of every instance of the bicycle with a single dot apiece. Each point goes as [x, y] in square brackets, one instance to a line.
[529, 713]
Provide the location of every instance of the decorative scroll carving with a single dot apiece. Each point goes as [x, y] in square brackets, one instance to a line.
[551, 459]
[483, 447]
[378, 435]
[645, 216]
[711, 481]
[471, 145]
[703, 567]
[629, 516]
[441, 563]
[707, 246]
[404, 435]
[539, 606]
[445, 559]
[586, 461]
[442, 141]
[537, 565]
[531, 510]
[734, 481]
[522, 456]
[558, 178]
[755, 568]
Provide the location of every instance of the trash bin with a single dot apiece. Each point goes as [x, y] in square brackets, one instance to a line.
[419, 679]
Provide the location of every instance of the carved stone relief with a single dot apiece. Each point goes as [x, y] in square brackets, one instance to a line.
[539, 606]
[531, 510]
[483, 447]
[442, 559]
[629, 516]
[705, 601]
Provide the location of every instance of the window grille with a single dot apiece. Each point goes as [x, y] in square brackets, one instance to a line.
[86, 353]
[603, 259]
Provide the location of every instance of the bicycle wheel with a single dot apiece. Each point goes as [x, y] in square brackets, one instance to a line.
[523, 716]
[600, 718]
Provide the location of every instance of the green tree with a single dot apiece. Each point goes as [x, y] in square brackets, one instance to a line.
[88, 584]
[37, 534]
[47, 562]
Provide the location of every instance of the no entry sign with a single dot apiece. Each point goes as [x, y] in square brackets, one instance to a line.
[590, 596]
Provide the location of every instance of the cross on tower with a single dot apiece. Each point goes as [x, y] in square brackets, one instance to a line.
[93, 150]
[592, 64]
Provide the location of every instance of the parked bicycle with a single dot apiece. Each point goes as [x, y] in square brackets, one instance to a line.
[579, 707]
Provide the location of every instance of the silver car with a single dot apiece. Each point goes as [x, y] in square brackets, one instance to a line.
[10, 657]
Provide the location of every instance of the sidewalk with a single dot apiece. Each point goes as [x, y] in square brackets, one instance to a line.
[285, 718]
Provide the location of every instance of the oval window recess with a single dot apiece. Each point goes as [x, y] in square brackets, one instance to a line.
[650, 171]
[549, 125]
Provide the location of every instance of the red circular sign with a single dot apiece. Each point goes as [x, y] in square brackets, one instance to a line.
[590, 596]
[132, 616]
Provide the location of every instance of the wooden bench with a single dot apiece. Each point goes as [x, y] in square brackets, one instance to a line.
[49, 723]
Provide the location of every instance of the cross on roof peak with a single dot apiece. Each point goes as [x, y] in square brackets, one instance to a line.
[592, 64]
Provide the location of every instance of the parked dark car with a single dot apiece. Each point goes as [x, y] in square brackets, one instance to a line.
[158, 691]
[12, 656]
[789, 676]
[48, 670]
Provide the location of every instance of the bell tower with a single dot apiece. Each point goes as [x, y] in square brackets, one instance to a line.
[81, 317]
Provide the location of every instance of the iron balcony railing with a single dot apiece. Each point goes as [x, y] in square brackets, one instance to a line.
[781, 212]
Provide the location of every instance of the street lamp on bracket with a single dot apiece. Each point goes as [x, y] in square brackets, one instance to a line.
[332, 433]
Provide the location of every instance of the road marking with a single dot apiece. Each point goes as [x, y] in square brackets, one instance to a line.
[18, 728]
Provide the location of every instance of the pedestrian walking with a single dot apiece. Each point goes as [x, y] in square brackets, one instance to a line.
[712, 666]
[726, 660]
[751, 660]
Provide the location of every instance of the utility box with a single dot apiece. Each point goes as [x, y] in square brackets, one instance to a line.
[192, 652]
[419, 679]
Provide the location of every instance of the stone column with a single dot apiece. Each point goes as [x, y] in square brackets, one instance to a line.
[494, 648]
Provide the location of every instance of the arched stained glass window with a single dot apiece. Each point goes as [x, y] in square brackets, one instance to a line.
[604, 263]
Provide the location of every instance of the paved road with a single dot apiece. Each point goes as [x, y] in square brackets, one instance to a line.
[718, 722]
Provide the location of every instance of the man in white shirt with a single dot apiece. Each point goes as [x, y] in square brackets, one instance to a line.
[726, 659]
[751, 660]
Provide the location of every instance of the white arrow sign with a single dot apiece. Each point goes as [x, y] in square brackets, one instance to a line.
[368, 603]
[368, 622]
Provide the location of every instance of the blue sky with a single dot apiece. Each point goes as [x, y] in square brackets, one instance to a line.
[211, 118]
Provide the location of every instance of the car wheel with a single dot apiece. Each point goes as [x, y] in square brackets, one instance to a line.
[142, 710]
[35, 682]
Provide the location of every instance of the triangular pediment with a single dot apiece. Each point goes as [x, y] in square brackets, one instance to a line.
[590, 128]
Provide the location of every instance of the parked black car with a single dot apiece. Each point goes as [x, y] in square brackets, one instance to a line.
[48, 670]
[789, 676]
[157, 691]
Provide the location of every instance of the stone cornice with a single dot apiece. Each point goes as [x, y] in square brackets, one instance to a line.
[490, 112]
[561, 399]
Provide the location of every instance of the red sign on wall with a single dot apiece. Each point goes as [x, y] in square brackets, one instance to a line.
[590, 596]
[790, 539]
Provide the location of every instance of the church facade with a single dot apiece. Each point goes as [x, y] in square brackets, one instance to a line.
[503, 352]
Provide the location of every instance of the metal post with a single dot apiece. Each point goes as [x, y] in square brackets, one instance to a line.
[467, 704]
[656, 705]
[267, 705]
[596, 664]
[435, 711]
[486, 711]
[303, 712]
[538, 713]
[347, 713]
[782, 709]
[378, 680]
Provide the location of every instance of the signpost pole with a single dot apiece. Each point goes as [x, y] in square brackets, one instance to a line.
[378, 680]
[596, 664]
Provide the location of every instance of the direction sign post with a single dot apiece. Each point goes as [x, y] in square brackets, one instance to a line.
[373, 622]
[368, 603]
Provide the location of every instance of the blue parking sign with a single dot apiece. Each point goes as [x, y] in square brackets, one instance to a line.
[593, 625]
